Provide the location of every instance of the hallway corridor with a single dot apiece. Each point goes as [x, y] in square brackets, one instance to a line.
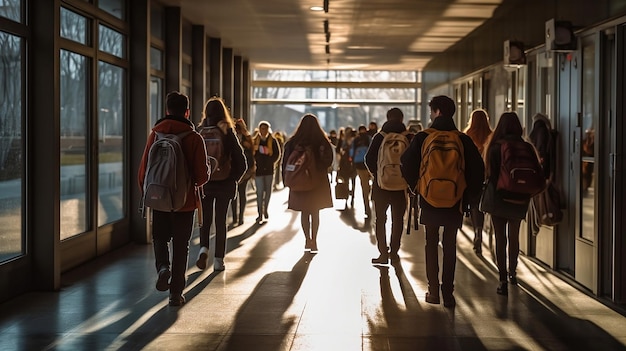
[273, 296]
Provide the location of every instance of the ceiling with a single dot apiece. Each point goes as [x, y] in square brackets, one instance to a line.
[363, 34]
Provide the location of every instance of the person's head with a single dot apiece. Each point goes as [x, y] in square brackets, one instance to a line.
[362, 129]
[479, 121]
[441, 106]
[309, 130]
[508, 124]
[215, 110]
[332, 133]
[395, 115]
[264, 128]
[177, 104]
[373, 126]
[240, 126]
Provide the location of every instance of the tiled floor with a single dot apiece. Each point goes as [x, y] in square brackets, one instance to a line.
[273, 296]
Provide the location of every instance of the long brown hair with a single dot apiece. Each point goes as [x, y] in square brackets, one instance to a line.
[215, 110]
[508, 126]
[309, 131]
[478, 128]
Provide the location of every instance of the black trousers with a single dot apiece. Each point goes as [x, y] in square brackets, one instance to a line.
[432, 259]
[383, 199]
[177, 228]
[504, 229]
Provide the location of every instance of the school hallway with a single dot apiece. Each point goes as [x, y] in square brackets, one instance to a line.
[274, 296]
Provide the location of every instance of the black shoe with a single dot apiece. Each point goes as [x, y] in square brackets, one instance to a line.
[513, 279]
[267, 216]
[240, 221]
[382, 259]
[259, 219]
[449, 301]
[502, 289]
[163, 280]
[177, 300]
[432, 298]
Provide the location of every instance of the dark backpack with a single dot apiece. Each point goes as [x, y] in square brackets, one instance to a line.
[300, 170]
[167, 180]
[442, 170]
[219, 159]
[520, 170]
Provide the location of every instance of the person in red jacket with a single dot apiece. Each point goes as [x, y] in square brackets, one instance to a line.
[176, 226]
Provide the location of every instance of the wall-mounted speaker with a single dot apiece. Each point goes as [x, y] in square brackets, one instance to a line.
[514, 53]
[560, 36]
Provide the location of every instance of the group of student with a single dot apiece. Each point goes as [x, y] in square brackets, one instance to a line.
[218, 158]
[305, 159]
[481, 155]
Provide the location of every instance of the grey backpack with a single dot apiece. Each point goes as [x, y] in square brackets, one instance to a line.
[167, 180]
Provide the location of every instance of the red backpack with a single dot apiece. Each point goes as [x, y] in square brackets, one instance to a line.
[520, 170]
[300, 170]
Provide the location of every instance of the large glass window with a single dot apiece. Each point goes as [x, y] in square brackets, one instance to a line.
[74, 86]
[11, 146]
[111, 82]
[74, 27]
[11, 9]
[112, 41]
[338, 98]
[589, 110]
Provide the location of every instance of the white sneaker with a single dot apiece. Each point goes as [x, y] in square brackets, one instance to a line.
[218, 264]
[203, 258]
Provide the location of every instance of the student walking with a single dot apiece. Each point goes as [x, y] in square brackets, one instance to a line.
[266, 153]
[308, 135]
[443, 190]
[238, 206]
[224, 150]
[358, 149]
[176, 226]
[507, 205]
[479, 130]
[383, 196]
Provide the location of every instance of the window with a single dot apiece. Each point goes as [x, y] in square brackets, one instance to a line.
[11, 146]
[113, 7]
[74, 88]
[112, 42]
[74, 27]
[11, 9]
[111, 93]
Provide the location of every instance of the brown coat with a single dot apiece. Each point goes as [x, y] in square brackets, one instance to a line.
[320, 197]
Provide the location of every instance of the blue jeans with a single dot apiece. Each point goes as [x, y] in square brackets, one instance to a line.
[263, 192]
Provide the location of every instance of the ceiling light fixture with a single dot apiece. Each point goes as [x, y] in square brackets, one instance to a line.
[317, 8]
[328, 37]
[328, 49]
[326, 26]
[326, 6]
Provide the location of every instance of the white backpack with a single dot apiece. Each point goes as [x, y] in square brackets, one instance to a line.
[388, 173]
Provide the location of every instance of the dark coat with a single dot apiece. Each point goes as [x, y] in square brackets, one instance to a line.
[193, 148]
[265, 163]
[542, 137]
[505, 209]
[320, 197]
[474, 176]
[238, 166]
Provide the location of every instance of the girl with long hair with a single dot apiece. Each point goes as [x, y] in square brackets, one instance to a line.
[506, 215]
[479, 130]
[309, 134]
[219, 193]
